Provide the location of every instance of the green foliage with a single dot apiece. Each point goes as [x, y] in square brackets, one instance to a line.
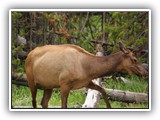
[85, 44]
[66, 27]
[20, 48]
[17, 63]
[16, 15]
[118, 24]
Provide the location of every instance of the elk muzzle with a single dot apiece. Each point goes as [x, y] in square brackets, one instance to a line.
[139, 70]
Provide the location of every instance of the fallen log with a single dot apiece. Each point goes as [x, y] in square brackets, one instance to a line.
[19, 82]
[19, 76]
[116, 95]
[126, 96]
[21, 79]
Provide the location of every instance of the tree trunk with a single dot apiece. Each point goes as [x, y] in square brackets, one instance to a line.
[31, 24]
[87, 18]
[103, 26]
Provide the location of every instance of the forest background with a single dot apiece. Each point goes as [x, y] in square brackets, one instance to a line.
[32, 29]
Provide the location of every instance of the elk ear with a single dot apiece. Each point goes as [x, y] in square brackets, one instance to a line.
[122, 48]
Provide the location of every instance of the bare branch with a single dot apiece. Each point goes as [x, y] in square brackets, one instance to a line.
[87, 17]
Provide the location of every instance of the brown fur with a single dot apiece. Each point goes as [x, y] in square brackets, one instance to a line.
[71, 67]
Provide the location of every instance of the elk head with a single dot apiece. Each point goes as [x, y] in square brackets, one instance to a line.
[130, 63]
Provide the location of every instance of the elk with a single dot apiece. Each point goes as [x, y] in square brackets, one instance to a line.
[70, 67]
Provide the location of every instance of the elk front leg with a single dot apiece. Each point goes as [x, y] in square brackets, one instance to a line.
[46, 96]
[64, 95]
[91, 85]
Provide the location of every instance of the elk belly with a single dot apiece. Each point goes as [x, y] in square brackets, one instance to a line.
[46, 74]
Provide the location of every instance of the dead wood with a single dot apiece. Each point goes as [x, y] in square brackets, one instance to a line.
[127, 96]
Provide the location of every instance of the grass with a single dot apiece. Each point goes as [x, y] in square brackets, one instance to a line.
[134, 84]
[21, 95]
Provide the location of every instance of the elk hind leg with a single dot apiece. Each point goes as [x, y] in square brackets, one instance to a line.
[33, 93]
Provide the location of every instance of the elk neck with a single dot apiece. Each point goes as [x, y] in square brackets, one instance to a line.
[104, 65]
